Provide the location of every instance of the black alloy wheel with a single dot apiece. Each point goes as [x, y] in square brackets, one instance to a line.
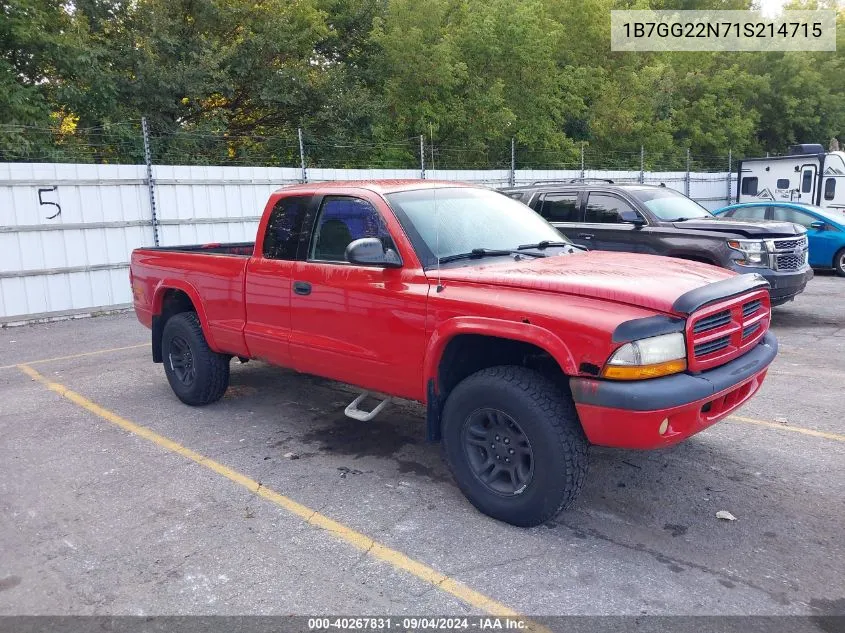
[498, 451]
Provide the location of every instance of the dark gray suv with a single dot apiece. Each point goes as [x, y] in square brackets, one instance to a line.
[652, 219]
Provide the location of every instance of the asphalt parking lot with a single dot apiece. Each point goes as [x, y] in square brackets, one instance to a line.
[116, 498]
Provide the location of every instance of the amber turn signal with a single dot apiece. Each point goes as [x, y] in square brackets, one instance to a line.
[641, 372]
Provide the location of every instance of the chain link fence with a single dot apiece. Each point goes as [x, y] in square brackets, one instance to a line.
[125, 143]
[75, 201]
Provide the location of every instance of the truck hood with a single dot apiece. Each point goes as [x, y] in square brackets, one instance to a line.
[741, 228]
[645, 281]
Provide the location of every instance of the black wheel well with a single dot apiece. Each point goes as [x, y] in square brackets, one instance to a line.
[466, 354]
[174, 302]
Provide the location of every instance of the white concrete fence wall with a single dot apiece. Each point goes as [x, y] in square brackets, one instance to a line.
[67, 231]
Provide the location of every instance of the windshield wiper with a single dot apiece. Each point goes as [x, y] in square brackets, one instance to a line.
[678, 220]
[478, 253]
[542, 245]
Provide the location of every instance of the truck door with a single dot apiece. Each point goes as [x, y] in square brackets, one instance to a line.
[808, 183]
[268, 281]
[363, 325]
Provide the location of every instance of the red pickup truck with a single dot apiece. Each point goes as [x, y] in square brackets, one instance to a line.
[524, 348]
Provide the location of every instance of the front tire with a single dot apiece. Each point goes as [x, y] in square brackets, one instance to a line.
[839, 263]
[514, 444]
[197, 375]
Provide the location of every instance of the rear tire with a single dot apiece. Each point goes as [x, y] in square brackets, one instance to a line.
[197, 375]
[839, 263]
[514, 444]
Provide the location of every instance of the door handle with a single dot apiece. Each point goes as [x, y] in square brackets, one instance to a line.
[302, 288]
[585, 236]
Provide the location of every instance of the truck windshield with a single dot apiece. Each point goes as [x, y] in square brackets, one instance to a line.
[669, 205]
[453, 220]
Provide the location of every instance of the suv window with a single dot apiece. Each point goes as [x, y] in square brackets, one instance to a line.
[603, 208]
[785, 214]
[284, 228]
[343, 220]
[560, 207]
[749, 213]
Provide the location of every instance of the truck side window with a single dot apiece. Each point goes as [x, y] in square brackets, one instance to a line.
[605, 209]
[560, 207]
[284, 228]
[830, 189]
[749, 186]
[343, 220]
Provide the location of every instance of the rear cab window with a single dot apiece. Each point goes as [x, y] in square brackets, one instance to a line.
[284, 228]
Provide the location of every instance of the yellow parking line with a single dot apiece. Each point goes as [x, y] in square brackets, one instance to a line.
[95, 352]
[789, 427]
[358, 540]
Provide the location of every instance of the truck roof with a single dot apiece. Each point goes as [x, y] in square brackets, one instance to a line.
[378, 186]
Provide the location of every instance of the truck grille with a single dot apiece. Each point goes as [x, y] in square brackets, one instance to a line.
[718, 333]
[712, 322]
[790, 244]
[748, 330]
[788, 253]
[702, 349]
[751, 308]
[790, 262]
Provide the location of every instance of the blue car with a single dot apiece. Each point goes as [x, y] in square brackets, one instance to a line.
[825, 227]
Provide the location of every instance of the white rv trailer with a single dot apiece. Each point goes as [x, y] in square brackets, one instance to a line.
[806, 174]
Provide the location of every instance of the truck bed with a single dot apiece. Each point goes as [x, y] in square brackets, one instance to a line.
[211, 275]
[239, 249]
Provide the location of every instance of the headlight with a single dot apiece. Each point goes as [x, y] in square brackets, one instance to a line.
[648, 358]
[754, 252]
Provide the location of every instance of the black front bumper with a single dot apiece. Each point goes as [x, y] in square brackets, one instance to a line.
[676, 390]
[783, 285]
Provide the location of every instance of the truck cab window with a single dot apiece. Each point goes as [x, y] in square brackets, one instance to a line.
[341, 221]
[560, 207]
[830, 189]
[749, 186]
[284, 228]
[604, 209]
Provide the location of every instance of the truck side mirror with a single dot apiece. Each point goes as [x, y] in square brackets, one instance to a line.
[629, 216]
[369, 251]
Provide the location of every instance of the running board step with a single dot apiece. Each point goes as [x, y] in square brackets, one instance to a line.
[352, 411]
